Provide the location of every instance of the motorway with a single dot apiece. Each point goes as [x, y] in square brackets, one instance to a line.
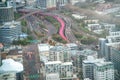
[61, 31]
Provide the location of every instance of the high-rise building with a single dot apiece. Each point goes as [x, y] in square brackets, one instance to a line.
[10, 31]
[6, 14]
[102, 42]
[103, 71]
[88, 67]
[46, 4]
[112, 50]
[115, 58]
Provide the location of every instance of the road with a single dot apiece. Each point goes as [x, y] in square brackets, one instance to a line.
[50, 28]
[61, 31]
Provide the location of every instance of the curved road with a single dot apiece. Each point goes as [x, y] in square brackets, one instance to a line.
[61, 31]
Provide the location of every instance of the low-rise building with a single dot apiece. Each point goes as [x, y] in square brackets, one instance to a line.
[77, 16]
[11, 70]
[97, 28]
[16, 55]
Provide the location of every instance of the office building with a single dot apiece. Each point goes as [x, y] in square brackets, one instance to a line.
[10, 31]
[6, 14]
[87, 79]
[103, 71]
[47, 4]
[115, 58]
[102, 42]
[98, 69]
[88, 67]
[112, 50]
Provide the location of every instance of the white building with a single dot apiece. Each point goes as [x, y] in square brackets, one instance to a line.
[53, 76]
[61, 70]
[87, 79]
[96, 28]
[76, 1]
[52, 67]
[44, 50]
[8, 76]
[103, 71]
[11, 70]
[60, 53]
[77, 16]
[114, 36]
[66, 71]
[114, 33]
[109, 27]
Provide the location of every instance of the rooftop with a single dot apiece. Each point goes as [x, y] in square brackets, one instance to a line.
[43, 47]
[10, 24]
[67, 63]
[87, 52]
[91, 59]
[53, 62]
[9, 65]
[71, 44]
[103, 63]
[59, 48]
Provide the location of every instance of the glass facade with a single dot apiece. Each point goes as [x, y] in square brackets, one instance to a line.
[10, 31]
